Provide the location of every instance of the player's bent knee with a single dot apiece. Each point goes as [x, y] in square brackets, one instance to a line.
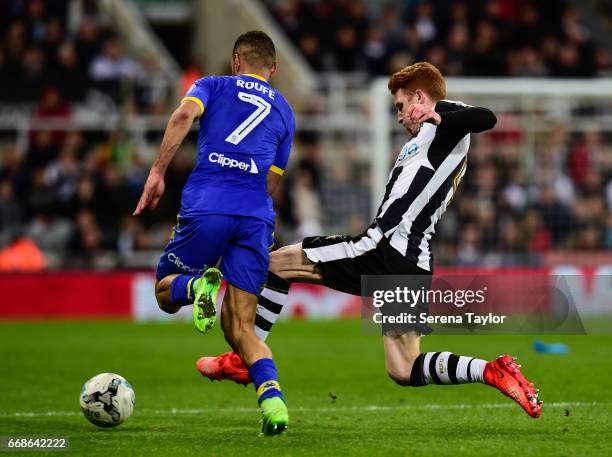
[163, 297]
[280, 258]
[400, 371]
[163, 301]
[285, 259]
[275, 262]
[167, 307]
[400, 377]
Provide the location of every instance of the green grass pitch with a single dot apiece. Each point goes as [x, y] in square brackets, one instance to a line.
[340, 400]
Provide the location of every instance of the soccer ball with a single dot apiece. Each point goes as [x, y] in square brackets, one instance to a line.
[107, 400]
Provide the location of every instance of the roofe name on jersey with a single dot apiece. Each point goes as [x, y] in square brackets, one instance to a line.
[256, 86]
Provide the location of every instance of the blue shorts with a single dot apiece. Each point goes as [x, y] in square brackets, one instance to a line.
[242, 244]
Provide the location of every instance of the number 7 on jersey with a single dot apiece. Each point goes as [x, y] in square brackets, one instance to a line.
[263, 109]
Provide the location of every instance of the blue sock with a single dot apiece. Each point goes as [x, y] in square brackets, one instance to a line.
[263, 374]
[181, 290]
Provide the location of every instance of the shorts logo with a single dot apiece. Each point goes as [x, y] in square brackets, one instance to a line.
[176, 260]
[220, 159]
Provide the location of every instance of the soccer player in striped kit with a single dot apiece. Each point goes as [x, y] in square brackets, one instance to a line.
[421, 185]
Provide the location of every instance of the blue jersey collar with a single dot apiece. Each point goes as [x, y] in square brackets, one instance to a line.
[253, 75]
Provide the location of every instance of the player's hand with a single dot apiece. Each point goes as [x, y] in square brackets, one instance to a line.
[153, 191]
[419, 113]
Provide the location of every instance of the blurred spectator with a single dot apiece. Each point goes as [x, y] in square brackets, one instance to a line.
[311, 49]
[347, 52]
[88, 42]
[555, 216]
[62, 175]
[68, 75]
[457, 48]
[23, 255]
[32, 75]
[483, 58]
[526, 62]
[423, 22]
[111, 67]
[307, 205]
[10, 213]
[53, 108]
[49, 232]
[112, 64]
[469, 253]
[86, 239]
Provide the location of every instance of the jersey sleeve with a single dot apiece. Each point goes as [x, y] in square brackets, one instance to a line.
[284, 149]
[464, 118]
[200, 92]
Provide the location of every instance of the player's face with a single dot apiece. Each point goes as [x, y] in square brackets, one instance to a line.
[403, 99]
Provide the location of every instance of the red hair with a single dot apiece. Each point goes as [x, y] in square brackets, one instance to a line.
[420, 75]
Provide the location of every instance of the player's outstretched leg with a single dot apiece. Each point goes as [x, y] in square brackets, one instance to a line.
[237, 319]
[407, 366]
[502, 373]
[205, 290]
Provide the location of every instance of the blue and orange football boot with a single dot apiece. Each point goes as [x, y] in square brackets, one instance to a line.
[505, 374]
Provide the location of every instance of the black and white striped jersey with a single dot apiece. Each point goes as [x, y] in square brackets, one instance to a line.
[424, 179]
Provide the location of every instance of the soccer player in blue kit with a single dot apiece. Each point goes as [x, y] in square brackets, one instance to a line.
[226, 216]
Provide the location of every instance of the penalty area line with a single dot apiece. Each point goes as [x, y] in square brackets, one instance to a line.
[405, 407]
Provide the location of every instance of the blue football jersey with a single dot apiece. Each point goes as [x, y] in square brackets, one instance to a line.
[246, 130]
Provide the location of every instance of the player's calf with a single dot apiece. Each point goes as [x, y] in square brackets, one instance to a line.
[163, 295]
[400, 372]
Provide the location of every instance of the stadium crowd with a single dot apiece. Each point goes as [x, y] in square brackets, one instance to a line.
[66, 197]
[45, 48]
[461, 37]
[507, 214]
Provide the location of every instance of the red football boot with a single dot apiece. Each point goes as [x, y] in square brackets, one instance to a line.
[226, 366]
[505, 374]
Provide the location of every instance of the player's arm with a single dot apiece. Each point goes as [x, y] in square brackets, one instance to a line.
[472, 119]
[274, 180]
[282, 157]
[456, 117]
[178, 126]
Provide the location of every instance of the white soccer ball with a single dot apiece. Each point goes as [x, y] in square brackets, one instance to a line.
[107, 400]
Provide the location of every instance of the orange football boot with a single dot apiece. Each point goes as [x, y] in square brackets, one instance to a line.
[225, 366]
[505, 374]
